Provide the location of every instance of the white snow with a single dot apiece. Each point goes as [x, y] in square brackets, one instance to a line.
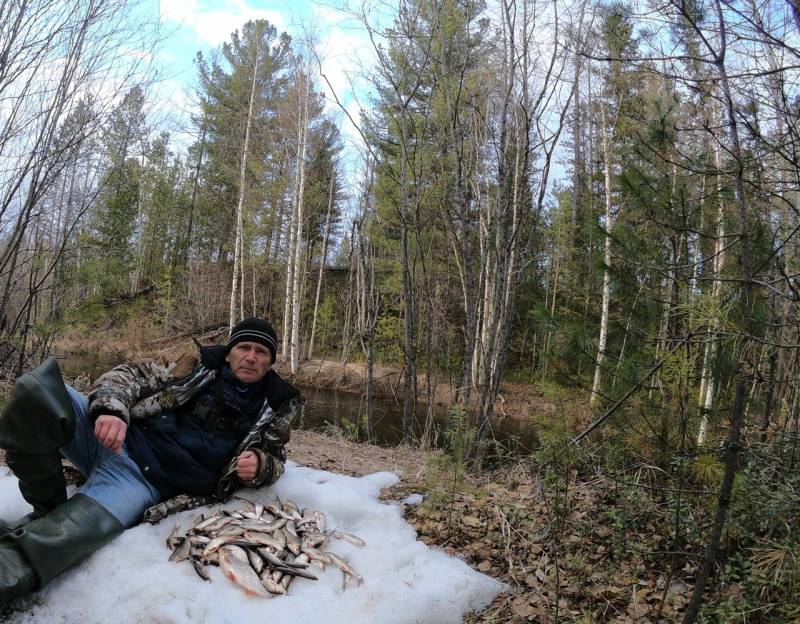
[130, 580]
[413, 499]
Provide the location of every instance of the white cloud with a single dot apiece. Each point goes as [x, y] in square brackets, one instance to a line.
[178, 10]
[213, 26]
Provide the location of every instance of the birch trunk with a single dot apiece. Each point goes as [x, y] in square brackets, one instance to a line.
[322, 262]
[292, 243]
[287, 305]
[237, 255]
[707, 384]
[601, 343]
[295, 347]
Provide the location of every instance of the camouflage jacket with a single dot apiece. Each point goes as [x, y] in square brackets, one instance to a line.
[136, 391]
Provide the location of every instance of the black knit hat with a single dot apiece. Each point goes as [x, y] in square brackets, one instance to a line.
[254, 330]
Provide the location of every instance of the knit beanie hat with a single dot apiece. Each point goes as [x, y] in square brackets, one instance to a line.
[254, 330]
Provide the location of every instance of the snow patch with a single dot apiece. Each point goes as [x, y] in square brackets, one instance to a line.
[131, 580]
[412, 499]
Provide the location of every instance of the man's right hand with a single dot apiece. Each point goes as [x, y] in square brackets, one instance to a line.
[110, 432]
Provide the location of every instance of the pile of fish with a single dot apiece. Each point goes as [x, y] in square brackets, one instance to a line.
[262, 548]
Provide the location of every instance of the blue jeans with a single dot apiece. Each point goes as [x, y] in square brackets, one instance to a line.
[112, 480]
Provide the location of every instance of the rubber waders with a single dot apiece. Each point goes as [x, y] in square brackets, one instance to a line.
[37, 420]
[32, 555]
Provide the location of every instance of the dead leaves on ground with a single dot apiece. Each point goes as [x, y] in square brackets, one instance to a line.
[574, 564]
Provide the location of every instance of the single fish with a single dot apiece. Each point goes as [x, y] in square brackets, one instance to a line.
[182, 551]
[274, 508]
[262, 539]
[301, 572]
[230, 529]
[249, 504]
[173, 539]
[239, 552]
[302, 524]
[213, 527]
[199, 539]
[270, 584]
[241, 573]
[345, 567]
[295, 570]
[313, 540]
[348, 537]
[256, 562]
[293, 544]
[281, 564]
[279, 535]
[216, 543]
[262, 527]
[313, 553]
[301, 559]
[201, 526]
[201, 570]
[272, 559]
[320, 519]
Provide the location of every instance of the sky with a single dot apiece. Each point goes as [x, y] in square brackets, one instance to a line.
[131, 580]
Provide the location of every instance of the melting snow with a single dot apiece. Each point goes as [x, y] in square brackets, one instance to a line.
[131, 580]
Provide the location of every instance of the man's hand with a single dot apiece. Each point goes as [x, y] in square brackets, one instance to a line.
[110, 432]
[247, 466]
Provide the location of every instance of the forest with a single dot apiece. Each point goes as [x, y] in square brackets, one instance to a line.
[595, 201]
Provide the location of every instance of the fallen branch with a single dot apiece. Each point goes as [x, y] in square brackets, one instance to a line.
[191, 332]
[610, 411]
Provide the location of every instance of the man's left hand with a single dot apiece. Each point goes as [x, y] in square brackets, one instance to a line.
[247, 466]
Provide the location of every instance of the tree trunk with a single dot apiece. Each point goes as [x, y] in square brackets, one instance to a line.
[322, 262]
[301, 163]
[237, 256]
[707, 384]
[609, 226]
[732, 443]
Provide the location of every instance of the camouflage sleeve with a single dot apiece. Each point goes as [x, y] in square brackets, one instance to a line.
[182, 502]
[269, 445]
[118, 390]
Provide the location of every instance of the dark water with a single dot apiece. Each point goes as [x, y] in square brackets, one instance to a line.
[347, 412]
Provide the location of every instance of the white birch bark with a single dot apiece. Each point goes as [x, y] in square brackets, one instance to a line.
[237, 255]
[322, 262]
[295, 346]
[601, 343]
[287, 304]
[707, 385]
[292, 241]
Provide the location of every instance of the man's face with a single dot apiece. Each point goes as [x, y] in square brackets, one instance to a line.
[249, 361]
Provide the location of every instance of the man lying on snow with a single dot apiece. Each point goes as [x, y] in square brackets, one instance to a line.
[146, 433]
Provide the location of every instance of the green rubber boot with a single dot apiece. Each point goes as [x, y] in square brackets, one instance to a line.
[33, 555]
[37, 420]
[17, 577]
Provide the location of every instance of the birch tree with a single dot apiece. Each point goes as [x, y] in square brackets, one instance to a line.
[237, 285]
[323, 260]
